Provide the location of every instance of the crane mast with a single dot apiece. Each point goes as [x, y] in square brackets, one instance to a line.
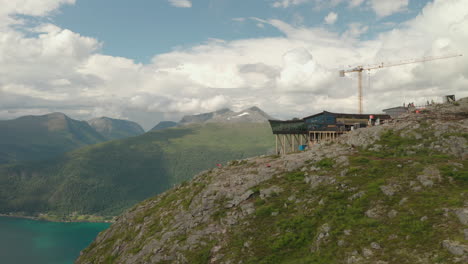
[360, 69]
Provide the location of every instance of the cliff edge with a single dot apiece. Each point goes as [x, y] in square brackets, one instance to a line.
[395, 193]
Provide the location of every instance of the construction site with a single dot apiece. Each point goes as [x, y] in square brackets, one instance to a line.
[300, 134]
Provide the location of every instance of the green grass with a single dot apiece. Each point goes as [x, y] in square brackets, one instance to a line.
[290, 237]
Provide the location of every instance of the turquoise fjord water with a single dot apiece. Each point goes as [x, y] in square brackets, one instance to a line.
[24, 241]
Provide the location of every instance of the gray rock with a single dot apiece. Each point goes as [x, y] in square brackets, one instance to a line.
[356, 195]
[373, 213]
[248, 208]
[241, 198]
[430, 174]
[354, 259]
[362, 137]
[465, 231]
[425, 181]
[462, 215]
[403, 201]
[455, 247]
[392, 213]
[325, 228]
[344, 172]
[375, 245]
[342, 161]
[265, 193]
[367, 252]
[388, 190]
[316, 181]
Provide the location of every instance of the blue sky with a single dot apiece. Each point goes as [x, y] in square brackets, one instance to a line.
[154, 60]
[141, 29]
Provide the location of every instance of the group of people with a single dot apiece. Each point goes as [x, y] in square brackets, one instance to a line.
[410, 105]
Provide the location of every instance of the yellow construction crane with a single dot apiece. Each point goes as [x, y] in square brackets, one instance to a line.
[360, 69]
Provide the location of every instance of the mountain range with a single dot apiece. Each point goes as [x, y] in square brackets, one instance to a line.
[108, 177]
[249, 115]
[42, 137]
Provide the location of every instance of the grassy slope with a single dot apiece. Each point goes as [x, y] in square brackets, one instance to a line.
[292, 236]
[108, 177]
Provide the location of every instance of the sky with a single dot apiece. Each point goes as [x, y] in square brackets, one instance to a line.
[154, 60]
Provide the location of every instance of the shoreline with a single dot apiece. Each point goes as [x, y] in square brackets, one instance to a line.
[47, 218]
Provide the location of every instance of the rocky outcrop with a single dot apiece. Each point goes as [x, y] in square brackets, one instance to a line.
[380, 195]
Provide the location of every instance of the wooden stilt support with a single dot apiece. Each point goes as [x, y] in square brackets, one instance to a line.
[292, 143]
[276, 144]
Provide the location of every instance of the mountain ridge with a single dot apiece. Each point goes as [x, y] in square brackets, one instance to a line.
[249, 115]
[108, 177]
[40, 137]
[394, 193]
[115, 128]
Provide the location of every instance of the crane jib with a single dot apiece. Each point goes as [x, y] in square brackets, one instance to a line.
[360, 69]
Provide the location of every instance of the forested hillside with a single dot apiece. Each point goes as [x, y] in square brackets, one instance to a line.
[42, 137]
[115, 128]
[106, 178]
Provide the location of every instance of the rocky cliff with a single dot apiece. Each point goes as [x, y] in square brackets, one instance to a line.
[395, 193]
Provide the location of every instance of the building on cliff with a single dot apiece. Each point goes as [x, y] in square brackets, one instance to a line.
[324, 126]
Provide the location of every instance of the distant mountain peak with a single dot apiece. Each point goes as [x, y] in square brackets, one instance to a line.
[115, 128]
[223, 110]
[255, 108]
[56, 115]
[249, 115]
[163, 125]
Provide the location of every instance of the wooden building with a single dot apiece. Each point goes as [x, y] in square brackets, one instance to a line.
[325, 126]
[396, 111]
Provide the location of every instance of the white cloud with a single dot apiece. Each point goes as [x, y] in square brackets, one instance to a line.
[288, 3]
[239, 19]
[27, 7]
[293, 75]
[331, 18]
[355, 30]
[385, 8]
[355, 3]
[181, 3]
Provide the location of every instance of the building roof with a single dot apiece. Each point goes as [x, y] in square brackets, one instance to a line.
[396, 108]
[287, 121]
[364, 116]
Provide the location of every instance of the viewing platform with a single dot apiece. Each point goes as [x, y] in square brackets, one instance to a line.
[297, 134]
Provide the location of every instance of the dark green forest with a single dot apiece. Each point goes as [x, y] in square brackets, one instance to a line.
[42, 137]
[106, 178]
